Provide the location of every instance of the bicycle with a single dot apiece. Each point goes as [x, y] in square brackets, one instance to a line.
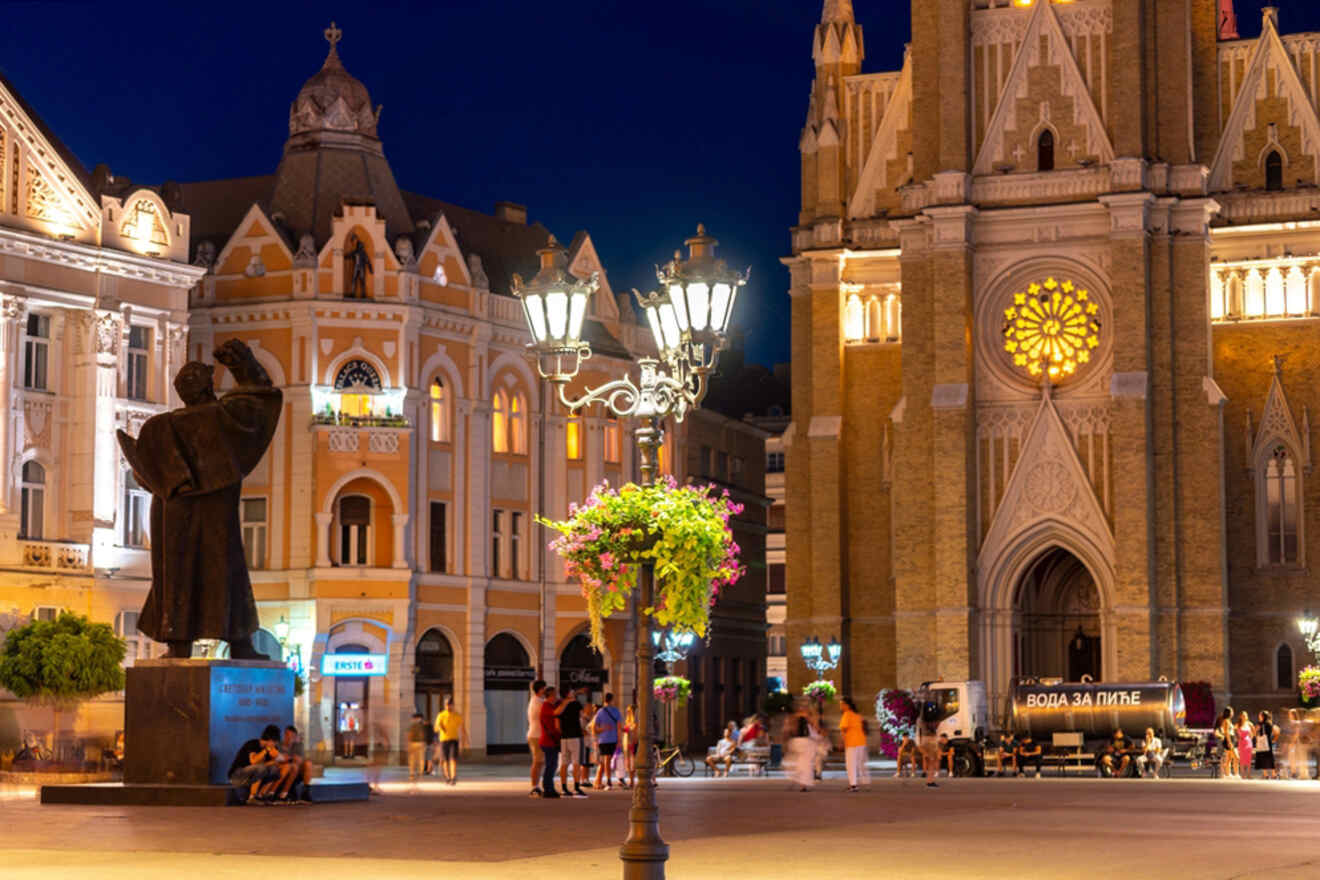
[672, 761]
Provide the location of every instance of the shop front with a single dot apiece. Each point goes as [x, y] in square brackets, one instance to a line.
[352, 667]
[434, 680]
[508, 677]
[580, 666]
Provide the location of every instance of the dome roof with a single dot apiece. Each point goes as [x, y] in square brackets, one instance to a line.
[333, 99]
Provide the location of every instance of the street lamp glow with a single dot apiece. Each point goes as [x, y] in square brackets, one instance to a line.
[282, 630]
[821, 658]
[1308, 625]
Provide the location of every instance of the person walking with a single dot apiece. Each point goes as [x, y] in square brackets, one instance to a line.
[606, 727]
[801, 751]
[549, 742]
[416, 747]
[629, 740]
[853, 727]
[452, 732]
[1263, 757]
[1246, 735]
[534, 704]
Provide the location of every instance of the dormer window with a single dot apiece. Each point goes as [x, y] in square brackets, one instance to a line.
[1045, 151]
[1274, 171]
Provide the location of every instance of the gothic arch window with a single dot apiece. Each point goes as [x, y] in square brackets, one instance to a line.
[518, 424]
[499, 421]
[854, 319]
[1295, 291]
[1274, 171]
[893, 318]
[1254, 304]
[1283, 668]
[439, 411]
[1045, 151]
[1275, 302]
[875, 321]
[1279, 514]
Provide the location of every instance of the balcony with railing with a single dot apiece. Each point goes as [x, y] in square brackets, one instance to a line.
[65, 556]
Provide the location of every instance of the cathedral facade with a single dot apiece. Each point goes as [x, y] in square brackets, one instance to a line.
[1055, 312]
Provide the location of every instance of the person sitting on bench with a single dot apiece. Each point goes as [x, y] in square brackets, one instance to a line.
[1007, 755]
[1028, 754]
[946, 753]
[1115, 758]
[726, 751]
[907, 756]
[257, 767]
[1152, 753]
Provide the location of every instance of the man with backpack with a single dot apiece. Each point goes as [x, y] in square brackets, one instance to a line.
[606, 728]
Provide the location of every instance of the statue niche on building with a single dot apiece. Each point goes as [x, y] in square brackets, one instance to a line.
[361, 260]
[193, 460]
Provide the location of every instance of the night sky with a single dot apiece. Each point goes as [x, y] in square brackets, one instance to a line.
[630, 119]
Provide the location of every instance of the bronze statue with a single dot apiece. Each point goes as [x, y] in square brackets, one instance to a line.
[193, 461]
[361, 266]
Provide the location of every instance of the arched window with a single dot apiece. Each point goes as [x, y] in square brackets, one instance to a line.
[893, 318]
[875, 326]
[505, 651]
[499, 422]
[439, 411]
[1296, 291]
[33, 516]
[1045, 151]
[1274, 171]
[1235, 295]
[354, 529]
[1283, 668]
[435, 658]
[1281, 508]
[1254, 306]
[518, 424]
[1275, 303]
[613, 445]
[854, 319]
[357, 383]
[1217, 310]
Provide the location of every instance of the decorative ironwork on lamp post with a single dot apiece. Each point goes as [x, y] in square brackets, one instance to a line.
[689, 318]
[821, 659]
[1309, 625]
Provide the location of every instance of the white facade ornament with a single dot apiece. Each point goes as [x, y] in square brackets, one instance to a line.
[477, 273]
[306, 255]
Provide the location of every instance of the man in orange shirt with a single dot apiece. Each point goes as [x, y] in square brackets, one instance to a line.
[853, 728]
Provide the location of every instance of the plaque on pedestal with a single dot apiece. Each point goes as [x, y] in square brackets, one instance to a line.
[184, 720]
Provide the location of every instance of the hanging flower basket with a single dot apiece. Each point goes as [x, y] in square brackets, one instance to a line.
[822, 690]
[683, 530]
[897, 715]
[673, 689]
[1308, 682]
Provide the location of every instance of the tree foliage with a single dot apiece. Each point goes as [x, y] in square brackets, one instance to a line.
[62, 662]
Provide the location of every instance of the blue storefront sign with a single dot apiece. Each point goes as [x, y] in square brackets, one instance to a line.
[354, 664]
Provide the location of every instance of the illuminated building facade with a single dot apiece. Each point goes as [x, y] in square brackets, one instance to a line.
[1055, 290]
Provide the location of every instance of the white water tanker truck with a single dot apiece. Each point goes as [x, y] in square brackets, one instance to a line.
[1044, 707]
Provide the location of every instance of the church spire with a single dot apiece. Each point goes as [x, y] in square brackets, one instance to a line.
[332, 36]
[1227, 21]
[840, 11]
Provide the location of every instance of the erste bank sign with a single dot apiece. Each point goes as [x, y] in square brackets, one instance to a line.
[354, 664]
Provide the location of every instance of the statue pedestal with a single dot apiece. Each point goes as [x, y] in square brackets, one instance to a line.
[184, 721]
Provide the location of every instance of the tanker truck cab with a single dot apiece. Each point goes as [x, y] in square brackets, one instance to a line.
[958, 710]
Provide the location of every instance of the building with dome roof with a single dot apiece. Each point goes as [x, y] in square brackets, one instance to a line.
[393, 514]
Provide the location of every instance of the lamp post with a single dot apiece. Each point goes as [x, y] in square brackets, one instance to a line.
[1310, 629]
[671, 647]
[689, 319]
[820, 659]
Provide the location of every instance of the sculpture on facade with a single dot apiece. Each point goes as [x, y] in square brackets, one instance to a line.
[193, 460]
[361, 267]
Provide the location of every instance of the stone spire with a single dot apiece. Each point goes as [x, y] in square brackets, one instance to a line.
[839, 11]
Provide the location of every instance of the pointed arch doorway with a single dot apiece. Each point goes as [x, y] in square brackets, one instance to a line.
[1057, 631]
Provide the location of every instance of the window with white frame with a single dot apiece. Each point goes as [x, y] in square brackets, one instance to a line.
[496, 543]
[32, 516]
[252, 513]
[137, 513]
[36, 347]
[1281, 507]
[136, 645]
[515, 544]
[139, 356]
[354, 529]
[1283, 668]
[46, 613]
[439, 411]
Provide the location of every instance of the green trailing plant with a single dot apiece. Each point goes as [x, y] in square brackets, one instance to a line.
[61, 663]
[683, 530]
[822, 690]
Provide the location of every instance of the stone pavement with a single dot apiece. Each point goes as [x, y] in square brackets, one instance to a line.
[717, 828]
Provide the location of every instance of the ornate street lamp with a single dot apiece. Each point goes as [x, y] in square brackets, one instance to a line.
[689, 318]
[821, 658]
[671, 646]
[1310, 629]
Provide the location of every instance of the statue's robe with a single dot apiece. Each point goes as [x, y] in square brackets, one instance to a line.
[193, 461]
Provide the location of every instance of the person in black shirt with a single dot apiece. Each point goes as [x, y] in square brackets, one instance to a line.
[1028, 753]
[257, 763]
[1008, 755]
[569, 713]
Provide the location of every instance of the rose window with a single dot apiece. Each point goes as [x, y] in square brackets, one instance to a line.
[1051, 329]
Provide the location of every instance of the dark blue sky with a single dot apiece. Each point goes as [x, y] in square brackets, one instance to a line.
[633, 120]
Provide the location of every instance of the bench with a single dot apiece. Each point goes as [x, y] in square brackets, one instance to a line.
[754, 759]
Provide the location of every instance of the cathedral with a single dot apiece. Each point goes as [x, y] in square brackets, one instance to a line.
[1055, 293]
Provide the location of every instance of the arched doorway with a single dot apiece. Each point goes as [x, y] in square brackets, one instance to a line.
[352, 708]
[1056, 619]
[508, 673]
[434, 676]
[581, 666]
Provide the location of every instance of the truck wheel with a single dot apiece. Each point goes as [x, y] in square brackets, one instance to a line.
[965, 763]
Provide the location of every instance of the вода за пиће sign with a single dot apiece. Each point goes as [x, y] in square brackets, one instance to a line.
[354, 664]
